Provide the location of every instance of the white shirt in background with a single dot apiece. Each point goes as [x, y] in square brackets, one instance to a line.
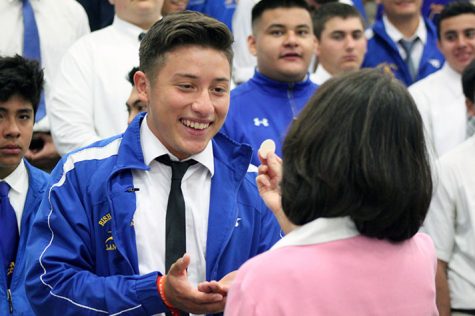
[60, 24]
[90, 91]
[18, 182]
[440, 100]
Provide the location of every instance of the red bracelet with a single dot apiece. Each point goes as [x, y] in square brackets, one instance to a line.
[161, 291]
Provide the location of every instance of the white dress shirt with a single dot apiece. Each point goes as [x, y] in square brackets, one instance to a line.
[451, 221]
[152, 198]
[396, 36]
[18, 182]
[320, 75]
[60, 24]
[243, 62]
[440, 100]
[90, 91]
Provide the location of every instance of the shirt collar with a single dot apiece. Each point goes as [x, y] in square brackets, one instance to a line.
[153, 148]
[319, 231]
[454, 80]
[16, 179]
[321, 74]
[396, 36]
[127, 28]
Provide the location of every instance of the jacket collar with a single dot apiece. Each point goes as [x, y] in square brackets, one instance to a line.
[278, 87]
[379, 29]
[234, 155]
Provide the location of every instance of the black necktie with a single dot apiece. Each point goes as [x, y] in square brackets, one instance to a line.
[175, 230]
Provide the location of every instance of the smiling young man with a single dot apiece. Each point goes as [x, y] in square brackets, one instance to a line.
[283, 42]
[117, 216]
[341, 43]
[404, 41]
[21, 185]
[439, 97]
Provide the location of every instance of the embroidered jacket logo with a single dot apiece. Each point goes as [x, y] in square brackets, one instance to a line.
[263, 122]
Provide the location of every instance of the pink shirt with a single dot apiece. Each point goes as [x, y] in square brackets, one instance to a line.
[354, 275]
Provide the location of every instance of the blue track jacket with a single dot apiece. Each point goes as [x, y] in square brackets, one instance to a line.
[82, 246]
[383, 51]
[221, 10]
[263, 108]
[18, 303]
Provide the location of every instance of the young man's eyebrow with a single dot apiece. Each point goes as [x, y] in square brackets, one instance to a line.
[185, 75]
[25, 110]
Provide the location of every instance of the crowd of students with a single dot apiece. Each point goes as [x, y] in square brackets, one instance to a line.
[149, 130]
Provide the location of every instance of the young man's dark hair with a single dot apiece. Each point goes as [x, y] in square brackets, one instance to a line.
[454, 9]
[188, 28]
[332, 10]
[265, 5]
[468, 82]
[22, 77]
[130, 75]
[358, 150]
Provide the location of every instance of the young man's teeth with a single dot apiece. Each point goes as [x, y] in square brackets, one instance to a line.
[195, 125]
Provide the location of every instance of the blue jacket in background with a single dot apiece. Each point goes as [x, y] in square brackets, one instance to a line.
[383, 51]
[262, 108]
[83, 245]
[221, 10]
[37, 183]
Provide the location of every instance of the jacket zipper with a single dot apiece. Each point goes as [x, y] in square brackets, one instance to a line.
[290, 97]
[10, 301]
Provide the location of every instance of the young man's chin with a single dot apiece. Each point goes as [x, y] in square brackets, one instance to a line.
[9, 163]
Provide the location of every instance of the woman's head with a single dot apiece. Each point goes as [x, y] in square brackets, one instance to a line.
[358, 150]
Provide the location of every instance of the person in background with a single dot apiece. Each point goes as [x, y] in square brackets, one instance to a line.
[243, 62]
[341, 43]
[468, 87]
[99, 12]
[173, 6]
[112, 234]
[91, 87]
[404, 41]
[284, 44]
[358, 4]
[221, 10]
[439, 96]
[351, 191]
[43, 31]
[450, 221]
[134, 104]
[21, 185]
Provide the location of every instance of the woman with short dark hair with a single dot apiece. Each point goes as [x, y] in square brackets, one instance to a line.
[355, 189]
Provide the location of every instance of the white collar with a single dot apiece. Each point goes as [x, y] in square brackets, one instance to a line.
[396, 36]
[153, 148]
[321, 75]
[127, 27]
[319, 231]
[454, 79]
[16, 179]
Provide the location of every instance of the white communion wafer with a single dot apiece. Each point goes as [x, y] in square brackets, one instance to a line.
[267, 146]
